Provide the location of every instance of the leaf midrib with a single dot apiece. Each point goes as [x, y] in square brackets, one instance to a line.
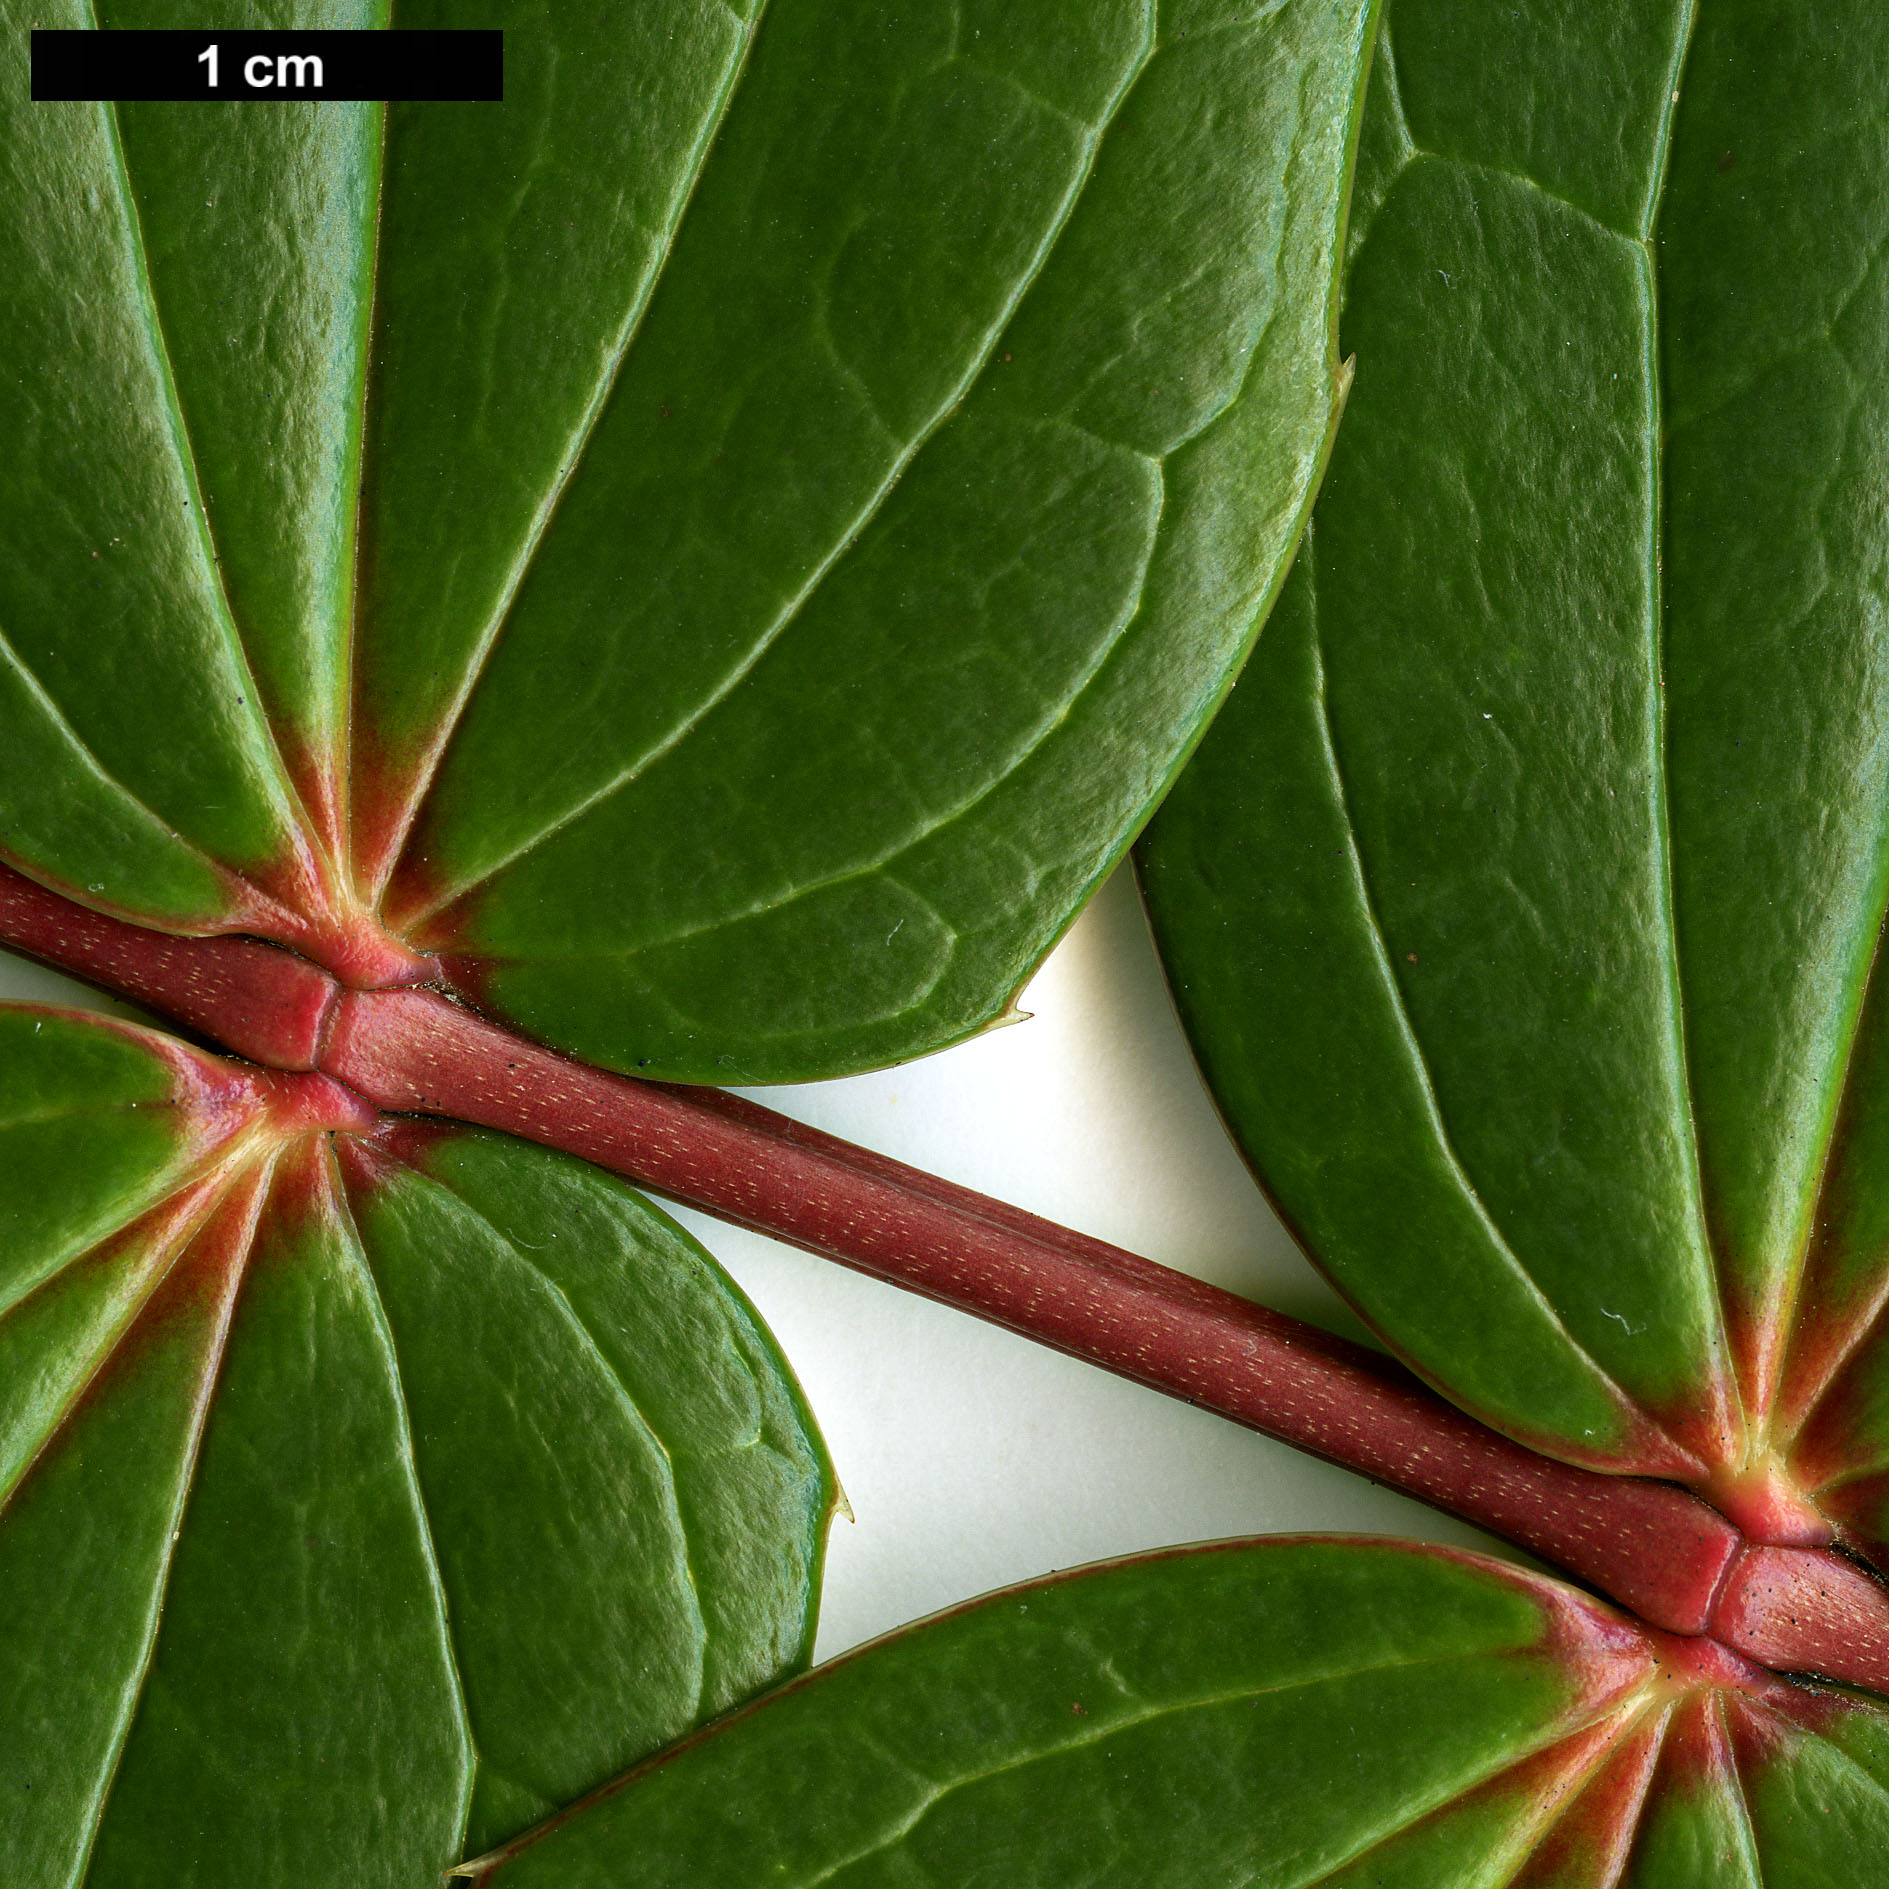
[674, 1517]
[177, 1244]
[348, 669]
[631, 1408]
[1420, 1069]
[850, 535]
[1717, 1345]
[1131, 1721]
[9, 654]
[1547, 1814]
[285, 795]
[343, 1209]
[577, 447]
[200, 1419]
[1643, 242]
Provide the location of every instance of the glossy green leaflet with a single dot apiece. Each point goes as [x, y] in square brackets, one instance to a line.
[1534, 972]
[856, 529]
[655, 762]
[1546, 1017]
[1585, 851]
[1286, 1712]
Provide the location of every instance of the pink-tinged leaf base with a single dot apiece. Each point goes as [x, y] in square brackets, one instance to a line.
[1593, 1806]
[270, 1420]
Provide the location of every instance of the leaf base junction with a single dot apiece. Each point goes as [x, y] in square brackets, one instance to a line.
[1777, 1591]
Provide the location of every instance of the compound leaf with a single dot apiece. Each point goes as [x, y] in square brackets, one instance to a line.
[361, 1500]
[723, 548]
[1524, 905]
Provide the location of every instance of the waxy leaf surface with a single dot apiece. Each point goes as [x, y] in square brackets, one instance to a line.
[723, 549]
[712, 558]
[1282, 1713]
[1524, 906]
[361, 1499]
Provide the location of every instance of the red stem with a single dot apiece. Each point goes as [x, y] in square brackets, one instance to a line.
[253, 999]
[1655, 1548]
[1659, 1551]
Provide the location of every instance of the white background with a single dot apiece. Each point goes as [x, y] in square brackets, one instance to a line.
[973, 1458]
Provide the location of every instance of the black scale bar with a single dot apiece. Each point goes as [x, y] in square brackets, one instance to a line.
[260, 68]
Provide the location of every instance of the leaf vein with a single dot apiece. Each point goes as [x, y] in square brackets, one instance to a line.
[631, 1408]
[212, 1372]
[174, 1250]
[928, 828]
[89, 760]
[1660, 769]
[383, 1332]
[1536, 1817]
[1420, 1066]
[577, 447]
[1128, 1722]
[851, 533]
[286, 794]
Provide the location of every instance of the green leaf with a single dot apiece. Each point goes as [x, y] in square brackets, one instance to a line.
[893, 601]
[157, 799]
[1283, 1713]
[360, 1500]
[257, 232]
[724, 548]
[1532, 968]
